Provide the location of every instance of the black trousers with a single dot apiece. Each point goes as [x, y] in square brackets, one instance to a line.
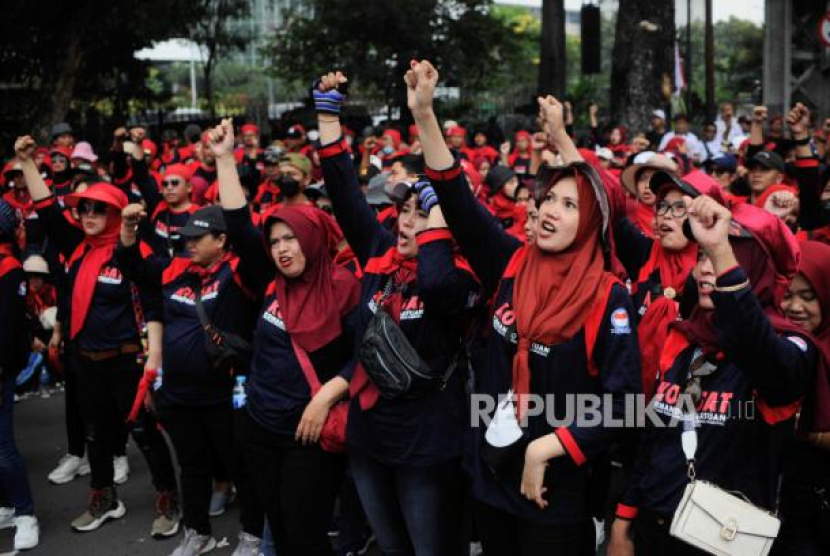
[75, 429]
[503, 533]
[200, 435]
[652, 538]
[107, 390]
[297, 486]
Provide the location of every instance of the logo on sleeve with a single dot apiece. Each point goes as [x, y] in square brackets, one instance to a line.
[799, 342]
[620, 323]
[21, 289]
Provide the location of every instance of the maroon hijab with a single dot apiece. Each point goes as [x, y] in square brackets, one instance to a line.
[815, 266]
[314, 303]
[769, 254]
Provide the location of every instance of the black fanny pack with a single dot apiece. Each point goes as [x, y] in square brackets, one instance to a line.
[392, 363]
[226, 351]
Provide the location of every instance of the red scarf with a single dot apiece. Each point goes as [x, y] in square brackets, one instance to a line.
[94, 251]
[314, 303]
[643, 218]
[554, 292]
[502, 206]
[815, 266]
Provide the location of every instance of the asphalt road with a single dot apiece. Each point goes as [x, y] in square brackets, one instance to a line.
[41, 439]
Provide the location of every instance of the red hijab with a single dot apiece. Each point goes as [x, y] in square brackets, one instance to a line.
[517, 154]
[314, 303]
[815, 266]
[94, 251]
[554, 292]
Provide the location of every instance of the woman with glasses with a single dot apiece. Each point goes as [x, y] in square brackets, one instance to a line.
[659, 267]
[105, 314]
[734, 372]
[805, 493]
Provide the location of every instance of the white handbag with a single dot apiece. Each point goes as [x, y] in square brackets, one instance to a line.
[716, 521]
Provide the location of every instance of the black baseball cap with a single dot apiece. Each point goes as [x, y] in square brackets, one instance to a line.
[661, 178]
[767, 159]
[205, 221]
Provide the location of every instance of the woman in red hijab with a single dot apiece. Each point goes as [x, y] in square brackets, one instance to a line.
[805, 493]
[561, 327]
[106, 314]
[731, 379]
[303, 359]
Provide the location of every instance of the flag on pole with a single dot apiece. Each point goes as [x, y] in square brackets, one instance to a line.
[679, 80]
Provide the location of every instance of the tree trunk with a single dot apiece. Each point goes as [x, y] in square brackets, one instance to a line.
[643, 57]
[552, 49]
[60, 100]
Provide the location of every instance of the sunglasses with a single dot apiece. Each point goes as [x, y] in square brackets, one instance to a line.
[92, 208]
[701, 367]
[678, 209]
[171, 183]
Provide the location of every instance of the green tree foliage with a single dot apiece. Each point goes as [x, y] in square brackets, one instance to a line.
[211, 30]
[739, 59]
[373, 42]
[76, 54]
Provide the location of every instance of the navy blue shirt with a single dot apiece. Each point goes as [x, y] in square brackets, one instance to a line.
[189, 378]
[277, 389]
[745, 414]
[13, 338]
[435, 314]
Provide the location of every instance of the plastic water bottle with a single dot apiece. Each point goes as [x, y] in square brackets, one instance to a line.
[44, 376]
[157, 383]
[239, 396]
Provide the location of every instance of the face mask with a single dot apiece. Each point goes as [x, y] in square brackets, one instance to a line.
[289, 187]
[387, 150]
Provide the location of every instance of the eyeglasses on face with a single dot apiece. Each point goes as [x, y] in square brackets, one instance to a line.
[678, 209]
[171, 183]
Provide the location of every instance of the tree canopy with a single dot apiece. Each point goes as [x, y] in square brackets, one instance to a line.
[374, 41]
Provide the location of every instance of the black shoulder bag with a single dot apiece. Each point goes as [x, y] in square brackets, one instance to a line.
[391, 362]
[226, 351]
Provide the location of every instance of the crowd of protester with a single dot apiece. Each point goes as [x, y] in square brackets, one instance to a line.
[305, 326]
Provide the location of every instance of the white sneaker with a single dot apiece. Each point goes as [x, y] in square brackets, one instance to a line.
[28, 532]
[6, 518]
[68, 468]
[599, 526]
[121, 469]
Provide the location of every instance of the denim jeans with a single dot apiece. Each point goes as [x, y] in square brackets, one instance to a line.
[13, 474]
[412, 510]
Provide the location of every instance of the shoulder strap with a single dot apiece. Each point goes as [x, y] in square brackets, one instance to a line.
[200, 308]
[308, 368]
